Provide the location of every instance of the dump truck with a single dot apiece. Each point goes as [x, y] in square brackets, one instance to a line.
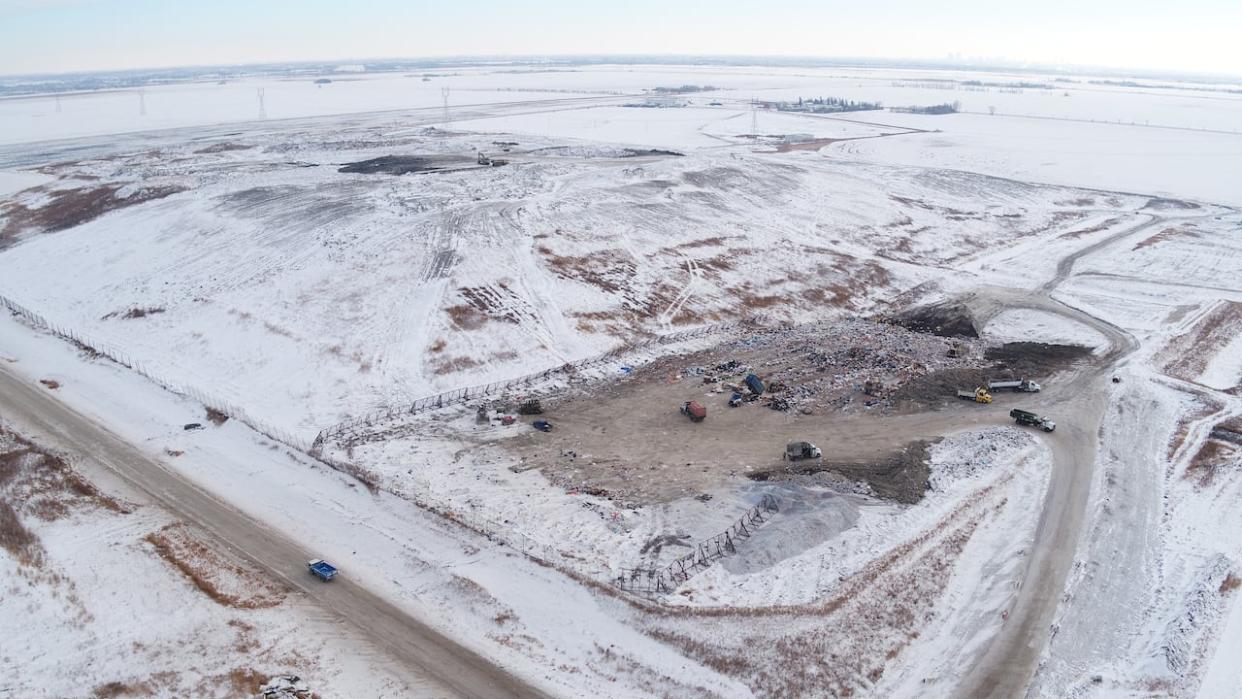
[1026, 417]
[1015, 385]
[321, 569]
[754, 384]
[797, 451]
[979, 395]
[694, 410]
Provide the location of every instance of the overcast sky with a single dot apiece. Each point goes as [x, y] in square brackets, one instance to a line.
[72, 35]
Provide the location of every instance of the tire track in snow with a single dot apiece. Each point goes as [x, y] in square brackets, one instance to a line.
[692, 268]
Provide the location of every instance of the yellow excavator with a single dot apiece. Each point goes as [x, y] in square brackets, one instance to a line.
[980, 395]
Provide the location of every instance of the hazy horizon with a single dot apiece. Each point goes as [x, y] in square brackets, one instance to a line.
[70, 36]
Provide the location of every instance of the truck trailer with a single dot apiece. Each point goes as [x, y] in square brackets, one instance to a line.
[1015, 385]
[1026, 417]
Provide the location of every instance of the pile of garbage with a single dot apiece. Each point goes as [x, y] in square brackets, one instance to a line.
[842, 365]
[284, 687]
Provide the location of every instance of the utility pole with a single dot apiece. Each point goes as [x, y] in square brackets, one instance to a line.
[142, 101]
[444, 92]
[262, 105]
[754, 118]
[58, 104]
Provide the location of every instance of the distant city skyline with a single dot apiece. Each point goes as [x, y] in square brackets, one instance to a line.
[50, 36]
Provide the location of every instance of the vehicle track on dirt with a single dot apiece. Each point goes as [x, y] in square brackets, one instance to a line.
[454, 669]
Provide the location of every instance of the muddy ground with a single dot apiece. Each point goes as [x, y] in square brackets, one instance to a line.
[627, 439]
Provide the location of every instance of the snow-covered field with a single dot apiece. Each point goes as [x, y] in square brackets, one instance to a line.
[237, 259]
[375, 290]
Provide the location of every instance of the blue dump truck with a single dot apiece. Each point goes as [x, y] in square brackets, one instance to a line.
[754, 384]
[321, 569]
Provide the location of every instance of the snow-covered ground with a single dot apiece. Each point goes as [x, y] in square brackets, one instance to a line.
[100, 610]
[557, 633]
[239, 261]
[308, 295]
[1021, 325]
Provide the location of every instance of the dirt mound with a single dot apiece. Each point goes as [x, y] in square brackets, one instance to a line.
[902, 476]
[943, 319]
[1028, 359]
[405, 164]
[938, 388]
[1014, 360]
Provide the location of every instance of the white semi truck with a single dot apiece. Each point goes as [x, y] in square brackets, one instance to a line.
[1015, 385]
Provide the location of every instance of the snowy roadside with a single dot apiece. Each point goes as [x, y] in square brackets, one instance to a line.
[103, 588]
[525, 617]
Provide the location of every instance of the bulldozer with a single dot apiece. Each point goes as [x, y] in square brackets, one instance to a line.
[980, 395]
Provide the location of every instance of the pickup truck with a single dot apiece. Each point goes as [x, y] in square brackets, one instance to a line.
[321, 569]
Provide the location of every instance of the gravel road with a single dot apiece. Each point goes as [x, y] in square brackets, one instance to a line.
[441, 667]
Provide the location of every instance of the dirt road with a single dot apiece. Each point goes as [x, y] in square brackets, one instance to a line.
[1006, 668]
[452, 669]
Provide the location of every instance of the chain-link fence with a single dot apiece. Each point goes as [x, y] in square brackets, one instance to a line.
[96, 348]
[652, 580]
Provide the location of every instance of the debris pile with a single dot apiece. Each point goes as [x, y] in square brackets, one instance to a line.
[284, 687]
[843, 365]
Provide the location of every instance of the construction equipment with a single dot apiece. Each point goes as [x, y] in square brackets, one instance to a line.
[1025, 417]
[980, 395]
[1015, 385]
[735, 400]
[694, 410]
[797, 451]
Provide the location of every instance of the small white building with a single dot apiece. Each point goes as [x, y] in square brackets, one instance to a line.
[798, 138]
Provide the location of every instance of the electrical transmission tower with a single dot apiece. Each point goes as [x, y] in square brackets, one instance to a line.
[262, 106]
[58, 104]
[142, 102]
[444, 92]
[754, 118]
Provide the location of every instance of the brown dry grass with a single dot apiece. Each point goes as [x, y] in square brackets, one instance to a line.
[451, 365]
[1230, 583]
[1213, 455]
[209, 572]
[1073, 235]
[1190, 354]
[466, 316]
[19, 541]
[35, 476]
[135, 312]
[216, 417]
[72, 207]
[608, 270]
[1165, 235]
[112, 690]
[246, 681]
